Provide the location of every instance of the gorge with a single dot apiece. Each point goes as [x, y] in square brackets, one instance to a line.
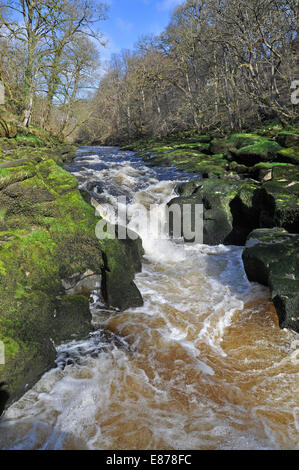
[201, 364]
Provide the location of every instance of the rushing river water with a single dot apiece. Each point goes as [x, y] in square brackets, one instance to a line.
[202, 365]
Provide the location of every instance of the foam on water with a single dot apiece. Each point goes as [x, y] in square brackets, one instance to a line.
[202, 365]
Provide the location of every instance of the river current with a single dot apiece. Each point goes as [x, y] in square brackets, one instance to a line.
[202, 365]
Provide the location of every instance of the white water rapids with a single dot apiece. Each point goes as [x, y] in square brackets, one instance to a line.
[202, 365]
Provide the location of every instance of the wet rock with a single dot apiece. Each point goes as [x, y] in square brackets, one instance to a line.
[280, 204]
[229, 212]
[72, 319]
[90, 191]
[233, 208]
[261, 151]
[189, 188]
[123, 259]
[47, 233]
[289, 155]
[221, 146]
[82, 284]
[86, 195]
[94, 186]
[271, 258]
[288, 139]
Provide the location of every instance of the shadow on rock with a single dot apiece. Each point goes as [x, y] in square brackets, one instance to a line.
[4, 396]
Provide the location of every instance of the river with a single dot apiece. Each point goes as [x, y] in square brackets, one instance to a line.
[202, 365]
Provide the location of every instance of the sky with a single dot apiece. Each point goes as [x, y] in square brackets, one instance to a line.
[128, 20]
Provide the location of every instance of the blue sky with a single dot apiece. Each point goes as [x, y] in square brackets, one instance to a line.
[130, 19]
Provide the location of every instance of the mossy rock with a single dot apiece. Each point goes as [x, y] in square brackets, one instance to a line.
[286, 171]
[7, 129]
[227, 205]
[262, 151]
[47, 234]
[238, 168]
[288, 139]
[203, 139]
[122, 261]
[233, 209]
[289, 155]
[198, 146]
[271, 258]
[244, 140]
[274, 170]
[72, 319]
[25, 321]
[221, 146]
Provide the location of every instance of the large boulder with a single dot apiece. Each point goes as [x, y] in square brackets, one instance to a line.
[271, 258]
[288, 139]
[122, 260]
[262, 150]
[229, 209]
[189, 188]
[223, 146]
[280, 203]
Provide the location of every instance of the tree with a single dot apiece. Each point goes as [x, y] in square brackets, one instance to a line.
[79, 18]
[44, 28]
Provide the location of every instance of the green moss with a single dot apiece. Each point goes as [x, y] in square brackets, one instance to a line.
[289, 155]
[243, 140]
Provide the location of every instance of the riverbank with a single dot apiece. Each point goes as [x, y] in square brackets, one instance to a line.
[50, 259]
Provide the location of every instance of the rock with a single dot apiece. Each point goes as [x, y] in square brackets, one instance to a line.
[288, 139]
[288, 155]
[203, 139]
[122, 261]
[229, 215]
[221, 146]
[213, 167]
[91, 190]
[201, 147]
[95, 186]
[263, 150]
[262, 172]
[86, 196]
[267, 171]
[4, 396]
[232, 208]
[246, 150]
[82, 284]
[245, 209]
[271, 258]
[280, 205]
[244, 140]
[239, 169]
[72, 319]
